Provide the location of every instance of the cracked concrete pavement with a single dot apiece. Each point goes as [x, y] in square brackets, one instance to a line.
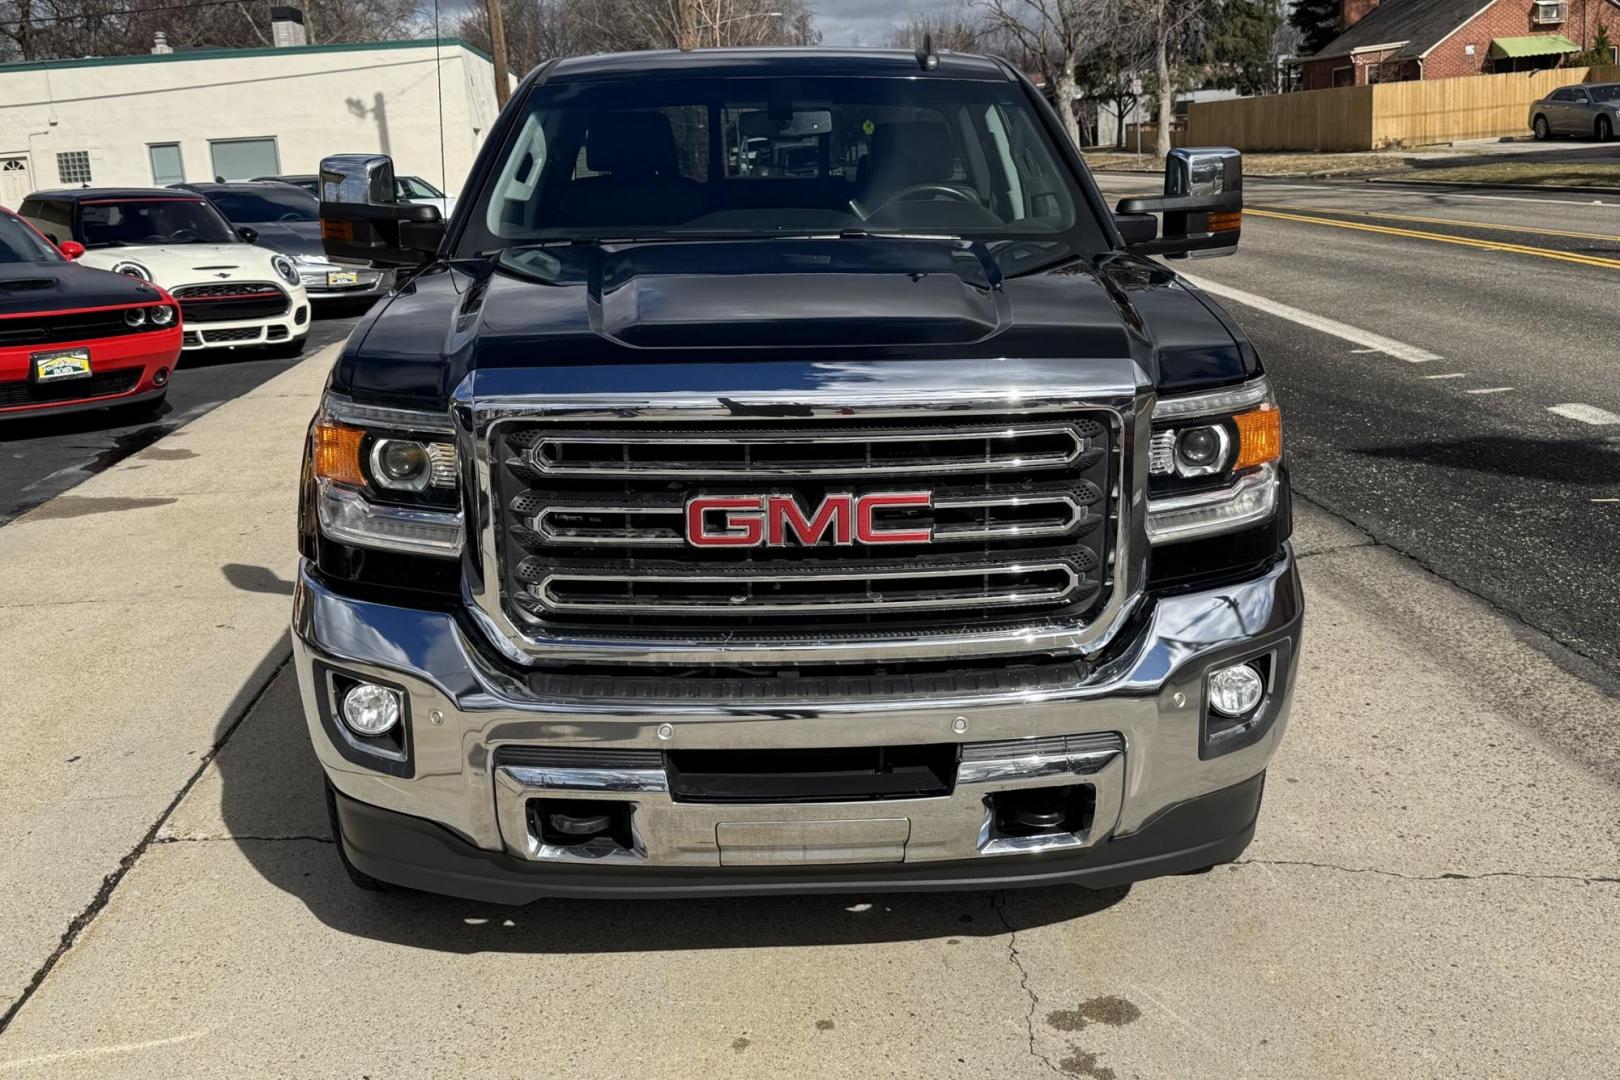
[1434, 888]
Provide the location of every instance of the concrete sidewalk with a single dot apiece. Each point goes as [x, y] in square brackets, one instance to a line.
[1435, 888]
[141, 611]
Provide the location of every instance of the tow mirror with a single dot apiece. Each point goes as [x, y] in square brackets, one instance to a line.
[363, 218]
[1202, 207]
[70, 249]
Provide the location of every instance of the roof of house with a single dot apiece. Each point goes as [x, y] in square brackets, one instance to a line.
[186, 55]
[1415, 25]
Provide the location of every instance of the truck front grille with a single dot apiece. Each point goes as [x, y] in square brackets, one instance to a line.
[592, 530]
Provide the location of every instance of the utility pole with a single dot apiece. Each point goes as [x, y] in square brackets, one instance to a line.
[497, 48]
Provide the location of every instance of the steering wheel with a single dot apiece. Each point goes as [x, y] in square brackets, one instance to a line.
[183, 236]
[290, 217]
[910, 193]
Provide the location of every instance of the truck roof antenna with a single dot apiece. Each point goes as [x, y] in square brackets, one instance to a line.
[926, 58]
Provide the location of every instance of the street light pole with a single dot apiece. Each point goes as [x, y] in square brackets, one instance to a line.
[497, 48]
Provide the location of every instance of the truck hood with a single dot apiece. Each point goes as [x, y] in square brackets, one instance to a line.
[780, 302]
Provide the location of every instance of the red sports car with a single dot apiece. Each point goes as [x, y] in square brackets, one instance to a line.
[76, 338]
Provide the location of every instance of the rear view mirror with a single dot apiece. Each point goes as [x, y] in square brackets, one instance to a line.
[71, 249]
[796, 125]
[362, 217]
[250, 236]
[1202, 206]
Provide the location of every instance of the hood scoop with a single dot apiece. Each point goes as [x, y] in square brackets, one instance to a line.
[26, 284]
[222, 266]
[811, 293]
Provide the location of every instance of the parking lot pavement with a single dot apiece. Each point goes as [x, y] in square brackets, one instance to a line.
[1435, 889]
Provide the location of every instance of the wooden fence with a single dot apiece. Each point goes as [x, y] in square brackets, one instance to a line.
[1383, 115]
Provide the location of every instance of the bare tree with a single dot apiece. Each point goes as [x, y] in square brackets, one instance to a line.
[1173, 25]
[1053, 34]
[954, 26]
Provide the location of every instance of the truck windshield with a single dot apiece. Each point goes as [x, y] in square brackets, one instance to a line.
[109, 222]
[669, 158]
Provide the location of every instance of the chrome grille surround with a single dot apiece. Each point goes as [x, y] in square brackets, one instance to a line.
[953, 392]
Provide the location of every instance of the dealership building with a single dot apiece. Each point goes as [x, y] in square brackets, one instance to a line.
[240, 113]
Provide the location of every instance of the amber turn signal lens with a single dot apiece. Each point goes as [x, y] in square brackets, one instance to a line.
[337, 454]
[337, 230]
[1226, 221]
[1259, 437]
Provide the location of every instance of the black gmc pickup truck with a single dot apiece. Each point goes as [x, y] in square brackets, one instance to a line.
[784, 472]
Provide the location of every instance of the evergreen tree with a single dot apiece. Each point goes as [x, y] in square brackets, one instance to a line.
[1241, 46]
[1317, 22]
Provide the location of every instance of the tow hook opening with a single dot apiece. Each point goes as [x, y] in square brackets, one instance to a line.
[572, 823]
[1044, 811]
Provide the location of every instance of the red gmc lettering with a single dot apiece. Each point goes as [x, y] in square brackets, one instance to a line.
[867, 532]
[782, 513]
[744, 525]
[778, 520]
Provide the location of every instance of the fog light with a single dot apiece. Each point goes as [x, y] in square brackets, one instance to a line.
[160, 377]
[371, 709]
[1235, 690]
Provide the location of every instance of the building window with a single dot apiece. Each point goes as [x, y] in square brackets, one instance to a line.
[1548, 12]
[73, 167]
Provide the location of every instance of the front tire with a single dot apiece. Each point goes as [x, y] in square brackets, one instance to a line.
[1543, 132]
[1604, 129]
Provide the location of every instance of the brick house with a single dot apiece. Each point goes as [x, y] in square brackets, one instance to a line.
[1399, 40]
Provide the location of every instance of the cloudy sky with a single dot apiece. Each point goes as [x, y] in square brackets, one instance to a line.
[864, 22]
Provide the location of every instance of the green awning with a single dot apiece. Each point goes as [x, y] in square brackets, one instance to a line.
[1532, 45]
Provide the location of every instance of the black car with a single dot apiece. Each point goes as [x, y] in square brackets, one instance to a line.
[286, 218]
[784, 472]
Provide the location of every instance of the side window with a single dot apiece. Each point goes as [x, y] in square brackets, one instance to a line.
[1562, 95]
[1578, 96]
[54, 219]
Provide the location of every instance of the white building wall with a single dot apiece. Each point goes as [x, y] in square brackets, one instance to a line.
[313, 101]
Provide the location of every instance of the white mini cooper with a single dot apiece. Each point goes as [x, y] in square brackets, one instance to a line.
[233, 294]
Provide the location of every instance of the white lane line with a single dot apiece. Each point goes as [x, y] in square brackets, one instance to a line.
[1489, 390]
[1377, 342]
[1586, 414]
[1449, 375]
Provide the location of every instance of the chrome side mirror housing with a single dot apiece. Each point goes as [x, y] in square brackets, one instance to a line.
[1202, 206]
[358, 179]
[363, 219]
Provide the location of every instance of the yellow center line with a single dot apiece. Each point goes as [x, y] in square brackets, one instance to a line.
[1445, 221]
[1440, 238]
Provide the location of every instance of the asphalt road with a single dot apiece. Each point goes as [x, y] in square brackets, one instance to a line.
[43, 457]
[1482, 438]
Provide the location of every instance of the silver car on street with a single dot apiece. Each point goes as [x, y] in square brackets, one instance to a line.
[1591, 110]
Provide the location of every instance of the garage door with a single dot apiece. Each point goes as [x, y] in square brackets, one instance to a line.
[243, 159]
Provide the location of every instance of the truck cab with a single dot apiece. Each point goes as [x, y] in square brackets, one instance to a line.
[784, 472]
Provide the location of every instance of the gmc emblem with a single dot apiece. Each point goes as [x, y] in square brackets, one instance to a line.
[778, 520]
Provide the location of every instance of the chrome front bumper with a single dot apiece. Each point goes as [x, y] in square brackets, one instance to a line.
[1148, 690]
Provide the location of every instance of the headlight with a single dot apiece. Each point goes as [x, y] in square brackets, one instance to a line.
[132, 269]
[386, 488]
[1213, 462]
[285, 268]
[161, 316]
[135, 316]
[312, 260]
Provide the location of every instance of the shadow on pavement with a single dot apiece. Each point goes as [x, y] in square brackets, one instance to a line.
[1588, 462]
[272, 804]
